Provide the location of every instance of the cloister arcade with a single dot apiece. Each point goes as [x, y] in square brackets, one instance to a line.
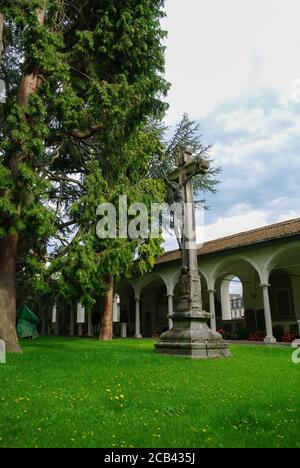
[270, 276]
[266, 261]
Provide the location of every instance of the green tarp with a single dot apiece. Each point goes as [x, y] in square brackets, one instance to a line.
[27, 323]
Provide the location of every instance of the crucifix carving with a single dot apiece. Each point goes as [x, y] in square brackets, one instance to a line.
[190, 335]
[180, 180]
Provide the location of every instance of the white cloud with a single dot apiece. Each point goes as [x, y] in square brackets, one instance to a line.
[244, 219]
[236, 287]
[289, 215]
[229, 225]
[216, 49]
[235, 66]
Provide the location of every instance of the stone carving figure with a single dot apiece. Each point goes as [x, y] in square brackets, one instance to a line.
[186, 170]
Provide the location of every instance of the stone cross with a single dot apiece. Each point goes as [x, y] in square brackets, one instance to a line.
[181, 182]
[190, 336]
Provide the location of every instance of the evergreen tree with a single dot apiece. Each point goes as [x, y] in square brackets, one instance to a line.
[82, 78]
[186, 133]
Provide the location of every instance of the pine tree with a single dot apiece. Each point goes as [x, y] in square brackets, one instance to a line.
[186, 133]
[82, 80]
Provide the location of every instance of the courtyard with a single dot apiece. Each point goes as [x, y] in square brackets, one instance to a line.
[72, 392]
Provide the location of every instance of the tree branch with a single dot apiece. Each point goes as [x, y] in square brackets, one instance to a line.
[54, 176]
[65, 225]
[79, 135]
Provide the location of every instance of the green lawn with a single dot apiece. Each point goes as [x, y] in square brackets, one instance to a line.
[83, 393]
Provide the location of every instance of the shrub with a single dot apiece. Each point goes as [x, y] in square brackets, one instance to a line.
[242, 333]
[256, 337]
[288, 337]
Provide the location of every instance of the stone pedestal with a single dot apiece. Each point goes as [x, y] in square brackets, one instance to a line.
[192, 338]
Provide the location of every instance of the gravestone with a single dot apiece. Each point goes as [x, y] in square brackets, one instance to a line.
[190, 336]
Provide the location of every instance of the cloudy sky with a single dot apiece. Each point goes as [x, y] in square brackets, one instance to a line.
[234, 65]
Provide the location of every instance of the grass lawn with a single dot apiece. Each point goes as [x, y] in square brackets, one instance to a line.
[82, 393]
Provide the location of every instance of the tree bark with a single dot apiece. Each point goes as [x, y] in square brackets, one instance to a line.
[106, 330]
[8, 256]
[9, 244]
[1, 35]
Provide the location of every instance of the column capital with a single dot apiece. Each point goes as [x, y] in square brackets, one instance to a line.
[264, 285]
[211, 291]
[137, 298]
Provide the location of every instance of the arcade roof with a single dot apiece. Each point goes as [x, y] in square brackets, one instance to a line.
[264, 234]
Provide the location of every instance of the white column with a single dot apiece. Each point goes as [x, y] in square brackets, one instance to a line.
[137, 318]
[213, 323]
[268, 318]
[55, 319]
[225, 300]
[123, 330]
[170, 310]
[2, 352]
[80, 318]
[116, 308]
[90, 325]
[72, 323]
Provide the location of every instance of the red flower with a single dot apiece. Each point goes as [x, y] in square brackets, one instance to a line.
[255, 337]
[288, 337]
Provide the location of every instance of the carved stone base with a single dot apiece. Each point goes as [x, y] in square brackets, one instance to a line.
[192, 338]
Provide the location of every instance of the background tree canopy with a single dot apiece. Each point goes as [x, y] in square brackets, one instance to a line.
[85, 93]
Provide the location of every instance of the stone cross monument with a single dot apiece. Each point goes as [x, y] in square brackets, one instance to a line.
[190, 336]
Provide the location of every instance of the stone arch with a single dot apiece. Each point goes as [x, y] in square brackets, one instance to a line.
[154, 306]
[230, 306]
[203, 274]
[127, 293]
[281, 295]
[174, 281]
[275, 258]
[225, 271]
[223, 267]
[225, 297]
[144, 282]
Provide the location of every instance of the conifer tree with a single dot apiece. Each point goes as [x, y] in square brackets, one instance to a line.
[82, 79]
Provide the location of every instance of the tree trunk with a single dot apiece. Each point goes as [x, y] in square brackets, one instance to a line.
[9, 244]
[1, 35]
[8, 256]
[106, 330]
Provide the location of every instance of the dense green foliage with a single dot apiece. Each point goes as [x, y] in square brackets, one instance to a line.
[186, 133]
[82, 139]
[82, 393]
[90, 132]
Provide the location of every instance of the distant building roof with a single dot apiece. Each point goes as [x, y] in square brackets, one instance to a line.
[255, 236]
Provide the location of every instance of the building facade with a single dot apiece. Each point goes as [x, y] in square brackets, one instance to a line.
[237, 306]
[266, 261]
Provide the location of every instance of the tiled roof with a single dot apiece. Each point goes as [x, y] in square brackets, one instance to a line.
[264, 234]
